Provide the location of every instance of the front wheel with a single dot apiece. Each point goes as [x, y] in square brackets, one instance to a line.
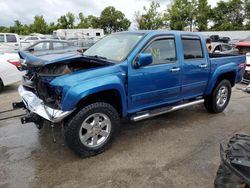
[92, 130]
[218, 100]
[1, 85]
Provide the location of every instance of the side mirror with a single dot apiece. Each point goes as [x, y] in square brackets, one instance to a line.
[143, 59]
[217, 51]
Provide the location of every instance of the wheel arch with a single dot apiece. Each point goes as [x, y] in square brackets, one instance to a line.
[219, 75]
[111, 96]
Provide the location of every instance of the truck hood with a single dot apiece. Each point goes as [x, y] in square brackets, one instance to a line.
[70, 80]
[35, 61]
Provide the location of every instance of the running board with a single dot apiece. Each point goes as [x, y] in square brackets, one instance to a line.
[164, 110]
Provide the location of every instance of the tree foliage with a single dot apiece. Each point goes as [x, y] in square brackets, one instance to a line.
[112, 20]
[150, 18]
[228, 15]
[88, 22]
[66, 21]
[203, 14]
[180, 15]
[39, 25]
[247, 13]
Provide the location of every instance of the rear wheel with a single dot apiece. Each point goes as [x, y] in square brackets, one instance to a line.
[218, 100]
[92, 130]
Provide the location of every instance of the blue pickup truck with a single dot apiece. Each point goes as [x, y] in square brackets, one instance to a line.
[133, 75]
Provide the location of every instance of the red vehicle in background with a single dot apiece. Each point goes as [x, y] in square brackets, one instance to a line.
[244, 49]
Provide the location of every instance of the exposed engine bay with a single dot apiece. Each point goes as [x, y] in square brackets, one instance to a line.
[37, 78]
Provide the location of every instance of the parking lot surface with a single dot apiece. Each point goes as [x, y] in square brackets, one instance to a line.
[179, 149]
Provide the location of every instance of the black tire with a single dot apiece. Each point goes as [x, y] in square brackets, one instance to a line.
[226, 179]
[211, 100]
[73, 129]
[1, 85]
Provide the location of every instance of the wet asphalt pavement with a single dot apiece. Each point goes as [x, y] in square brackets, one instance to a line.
[179, 149]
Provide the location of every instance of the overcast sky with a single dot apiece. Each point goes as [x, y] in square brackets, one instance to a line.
[25, 10]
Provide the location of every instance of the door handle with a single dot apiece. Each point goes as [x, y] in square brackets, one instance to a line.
[203, 65]
[175, 69]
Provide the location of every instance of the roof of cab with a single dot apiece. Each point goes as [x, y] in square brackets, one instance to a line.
[153, 32]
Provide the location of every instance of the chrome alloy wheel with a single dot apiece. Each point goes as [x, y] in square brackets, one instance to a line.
[222, 96]
[95, 130]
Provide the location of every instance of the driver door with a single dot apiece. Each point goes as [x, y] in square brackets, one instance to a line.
[158, 83]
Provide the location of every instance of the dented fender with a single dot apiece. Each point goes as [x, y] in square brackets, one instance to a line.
[73, 95]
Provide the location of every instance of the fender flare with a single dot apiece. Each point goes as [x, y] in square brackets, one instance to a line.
[223, 69]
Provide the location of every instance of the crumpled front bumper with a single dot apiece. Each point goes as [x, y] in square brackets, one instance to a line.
[37, 106]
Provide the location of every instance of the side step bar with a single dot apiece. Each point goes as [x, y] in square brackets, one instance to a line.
[160, 111]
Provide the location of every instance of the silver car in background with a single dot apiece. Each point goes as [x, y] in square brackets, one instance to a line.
[223, 48]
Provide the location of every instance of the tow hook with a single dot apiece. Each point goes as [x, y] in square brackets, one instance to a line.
[33, 118]
[17, 105]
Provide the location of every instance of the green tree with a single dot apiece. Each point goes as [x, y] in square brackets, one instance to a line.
[4, 29]
[151, 18]
[94, 21]
[181, 14]
[203, 14]
[39, 25]
[18, 27]
[84, 21]
[66, 21]
[52, 27]
[112, 20]
[26, 29]
[228, 15]
[247, 13]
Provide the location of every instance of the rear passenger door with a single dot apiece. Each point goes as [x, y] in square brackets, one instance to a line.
[196, 68]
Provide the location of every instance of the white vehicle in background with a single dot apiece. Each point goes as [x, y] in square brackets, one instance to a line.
[9, 74]
[9, 42]
[28, 40]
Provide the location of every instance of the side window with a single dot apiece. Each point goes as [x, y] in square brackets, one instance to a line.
[1, 38]
[28, 38]
[192, 48]
[11, 38]
[58, 45]
[42, 46]
[226, 47]
[162, 50]
[33, 38]
[217, 48]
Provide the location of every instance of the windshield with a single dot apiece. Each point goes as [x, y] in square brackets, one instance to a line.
[114, 47]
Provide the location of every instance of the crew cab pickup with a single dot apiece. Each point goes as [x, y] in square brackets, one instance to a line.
[133, 75]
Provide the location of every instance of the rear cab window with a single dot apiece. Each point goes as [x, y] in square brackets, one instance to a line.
[192, 48]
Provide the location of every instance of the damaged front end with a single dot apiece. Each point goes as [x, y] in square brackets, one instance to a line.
[37, 106]
[42, 99]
